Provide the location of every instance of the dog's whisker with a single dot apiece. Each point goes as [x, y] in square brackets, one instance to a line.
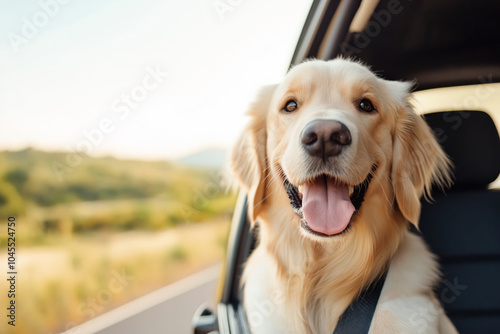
[382, 187]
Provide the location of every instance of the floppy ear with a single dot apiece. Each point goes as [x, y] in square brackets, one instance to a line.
[418, 160]
[248, 157]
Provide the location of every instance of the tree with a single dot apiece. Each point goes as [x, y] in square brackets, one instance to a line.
[17, 177]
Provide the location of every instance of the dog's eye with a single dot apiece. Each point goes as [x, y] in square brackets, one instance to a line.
[290, 106]
[366, 105]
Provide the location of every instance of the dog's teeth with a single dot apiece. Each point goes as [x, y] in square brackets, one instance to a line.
[299, 188]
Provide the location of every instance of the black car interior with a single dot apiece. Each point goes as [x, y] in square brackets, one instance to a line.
[462, 224]
[437, 43]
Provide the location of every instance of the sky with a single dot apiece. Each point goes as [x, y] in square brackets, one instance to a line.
[150, 79]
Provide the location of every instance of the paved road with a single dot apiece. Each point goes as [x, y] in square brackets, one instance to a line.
[166, 311]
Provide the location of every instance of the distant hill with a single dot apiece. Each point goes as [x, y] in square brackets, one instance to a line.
[146, 194]
[49, 178]
[209, 158]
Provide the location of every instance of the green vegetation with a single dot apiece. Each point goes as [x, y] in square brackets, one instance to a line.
[106, 194]
[157, 221]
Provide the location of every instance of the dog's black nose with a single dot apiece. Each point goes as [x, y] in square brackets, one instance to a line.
[325, 138]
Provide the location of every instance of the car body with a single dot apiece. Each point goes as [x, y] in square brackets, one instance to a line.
[436, 44]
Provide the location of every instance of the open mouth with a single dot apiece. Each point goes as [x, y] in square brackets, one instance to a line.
[325, 205]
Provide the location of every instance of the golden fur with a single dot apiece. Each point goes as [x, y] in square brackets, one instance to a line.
[295, 282]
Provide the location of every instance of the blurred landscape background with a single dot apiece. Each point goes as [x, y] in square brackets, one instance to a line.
[151, 221]
[115, 119]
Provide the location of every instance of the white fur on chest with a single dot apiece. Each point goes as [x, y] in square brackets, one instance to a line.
[263, 298]
[407, 291]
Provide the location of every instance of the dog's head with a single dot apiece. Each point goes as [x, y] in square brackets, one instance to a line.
[333, 139]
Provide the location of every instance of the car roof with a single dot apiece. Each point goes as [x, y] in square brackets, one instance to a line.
[436, 43]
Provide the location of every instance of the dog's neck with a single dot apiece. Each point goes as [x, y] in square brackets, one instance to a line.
[335, 270]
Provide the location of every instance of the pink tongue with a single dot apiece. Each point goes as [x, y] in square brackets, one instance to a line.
[326, 206]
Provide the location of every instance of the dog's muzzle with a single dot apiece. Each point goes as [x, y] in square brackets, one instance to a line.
[333, 214]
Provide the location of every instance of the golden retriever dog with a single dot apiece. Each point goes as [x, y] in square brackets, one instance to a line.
[334, 162]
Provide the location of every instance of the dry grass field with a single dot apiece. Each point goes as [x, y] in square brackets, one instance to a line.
[109, 232]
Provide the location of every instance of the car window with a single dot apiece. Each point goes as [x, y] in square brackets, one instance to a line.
[484, 97]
